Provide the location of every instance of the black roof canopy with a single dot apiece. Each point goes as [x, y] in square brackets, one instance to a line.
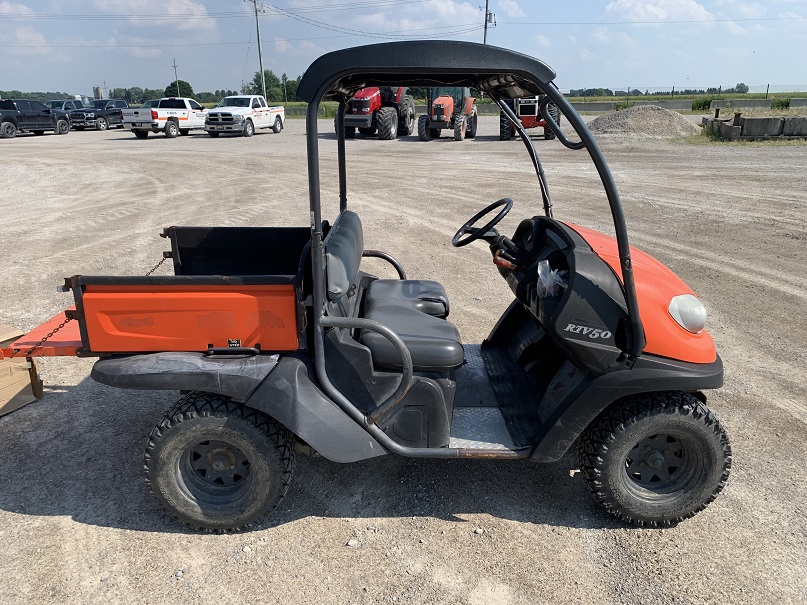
[424, 63]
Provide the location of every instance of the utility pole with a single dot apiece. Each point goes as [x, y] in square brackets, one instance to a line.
[176, 78]
[489, 18]
[260, 54]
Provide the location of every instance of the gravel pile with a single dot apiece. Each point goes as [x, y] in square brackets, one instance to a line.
[647, 120]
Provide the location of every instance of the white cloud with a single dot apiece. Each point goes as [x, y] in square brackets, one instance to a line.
[142, 52]
[607, 36]
[14, 8]
[585, 54]
[659, 10]
[543, 40]
[742, 10]
[183, 15]
[510, 8]
[28, 41]
[572, 40]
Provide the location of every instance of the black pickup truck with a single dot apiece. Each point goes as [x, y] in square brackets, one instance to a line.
[30, 116]
[99, 114]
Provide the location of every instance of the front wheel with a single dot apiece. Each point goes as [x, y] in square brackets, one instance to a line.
[460, 126]
[62, 127]
[249, 128]
[277, 126]
[655, 459]
[101, 124]
[217, 465]
[213, 134]
[387, 121]
[423, 128]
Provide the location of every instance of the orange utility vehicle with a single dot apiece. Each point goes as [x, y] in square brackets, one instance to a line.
[280, 343]
[449, 108]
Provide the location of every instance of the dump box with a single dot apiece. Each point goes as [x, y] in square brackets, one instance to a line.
[233, 288]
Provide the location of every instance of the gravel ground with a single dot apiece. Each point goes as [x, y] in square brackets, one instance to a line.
[77, 524]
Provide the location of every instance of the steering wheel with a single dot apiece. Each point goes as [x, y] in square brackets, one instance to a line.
[475, 233]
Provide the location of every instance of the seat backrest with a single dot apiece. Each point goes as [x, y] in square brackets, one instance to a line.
[344, 246]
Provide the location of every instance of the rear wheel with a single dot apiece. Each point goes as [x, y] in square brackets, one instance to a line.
[460, 126]
[473, 121]
[655, 459]
[8, 130]
[387, 120]
[555, 113]
[213, 134]
[101, 124]
[217, 465]
[406, 116]
[141, 134]
[62, 127]
[423, 128]
[249, 128]
[278, 125]
[171, 129]
[505, 128]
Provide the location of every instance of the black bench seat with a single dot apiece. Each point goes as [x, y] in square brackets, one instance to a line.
[423, 295]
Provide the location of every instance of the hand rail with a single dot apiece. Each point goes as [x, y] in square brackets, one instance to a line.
[389, 404]
[391, 260]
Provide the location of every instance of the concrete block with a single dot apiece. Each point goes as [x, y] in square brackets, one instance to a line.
[729, 132]
[682, 105]
[795, 126]
[761, 127]
[746, 103]
[798, 103]
[594, 106]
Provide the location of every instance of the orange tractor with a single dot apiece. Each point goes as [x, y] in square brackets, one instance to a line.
[448, 108]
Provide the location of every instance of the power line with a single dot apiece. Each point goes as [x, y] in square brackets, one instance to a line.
[679, 22]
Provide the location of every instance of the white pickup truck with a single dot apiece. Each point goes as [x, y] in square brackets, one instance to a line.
[172, 115]
[244, 115]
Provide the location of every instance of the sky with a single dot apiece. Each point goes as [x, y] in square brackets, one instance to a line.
[49, 45]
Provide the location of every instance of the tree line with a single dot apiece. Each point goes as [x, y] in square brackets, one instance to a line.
[740, 88]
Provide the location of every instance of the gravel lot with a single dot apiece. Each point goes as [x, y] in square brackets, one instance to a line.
[77, 524]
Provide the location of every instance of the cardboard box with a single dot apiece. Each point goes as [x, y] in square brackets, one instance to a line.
[19, 380]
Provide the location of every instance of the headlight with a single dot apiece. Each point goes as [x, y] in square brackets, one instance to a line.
[238, 118]
[89, 115]
[688, 312]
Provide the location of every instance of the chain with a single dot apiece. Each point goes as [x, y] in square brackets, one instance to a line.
[48, 335]
[157, 266]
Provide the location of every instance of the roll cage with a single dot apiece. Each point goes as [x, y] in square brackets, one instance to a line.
[500, 73]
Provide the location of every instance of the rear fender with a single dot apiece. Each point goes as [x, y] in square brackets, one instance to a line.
[291, 396]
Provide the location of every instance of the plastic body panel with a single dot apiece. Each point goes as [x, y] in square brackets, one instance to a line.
[132, 319]
[656, 285]
[290, 396]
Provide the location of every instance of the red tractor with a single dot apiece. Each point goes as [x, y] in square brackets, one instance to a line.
[387, 110]
[448, 108]
[529, 114]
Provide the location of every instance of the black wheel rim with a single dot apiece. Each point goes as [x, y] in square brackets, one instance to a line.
[216, 469]
[662, 465]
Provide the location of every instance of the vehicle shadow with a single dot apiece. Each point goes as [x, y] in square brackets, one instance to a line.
[79, 453]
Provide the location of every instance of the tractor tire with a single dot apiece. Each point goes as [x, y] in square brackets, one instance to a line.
[473, 123]
[555, 113]
[141, 134]
[460, 126]
[387, 121]
[249, 128]
[655, 459]
[277, 126]
[423, 128]
[506, 129]
[406, 117]
[62, 127]
[101, 124]
[171, 129]
[213, 134]
[368, 132]
[350, 132]
[8, 130]
[217, 465]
